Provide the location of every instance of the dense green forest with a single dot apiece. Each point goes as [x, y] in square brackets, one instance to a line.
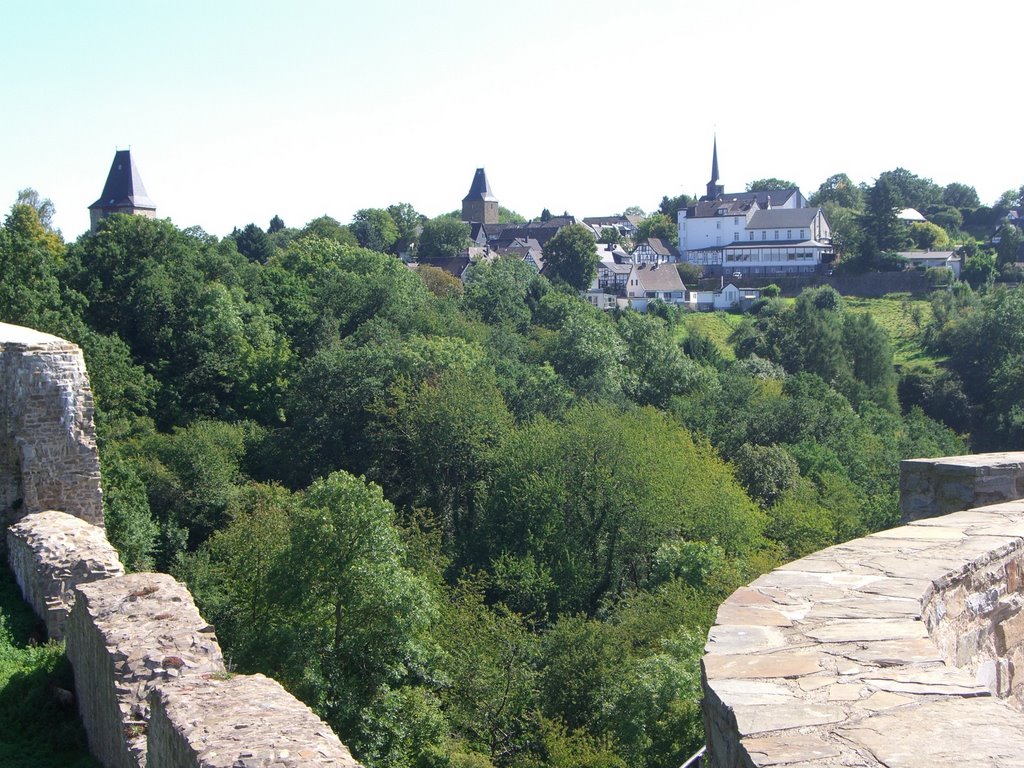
[482, 525]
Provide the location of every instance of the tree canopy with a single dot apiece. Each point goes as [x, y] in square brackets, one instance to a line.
[571, 256]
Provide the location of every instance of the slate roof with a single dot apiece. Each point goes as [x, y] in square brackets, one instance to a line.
[541, 231]
[454, 266]
[124, 188]
[780, 218]
[615, 267]
[480, 189]
[778, 196]
[706, 208]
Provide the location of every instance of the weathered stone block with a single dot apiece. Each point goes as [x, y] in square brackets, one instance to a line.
[48, 456]
[246, 720]
[50, 554]
[126, 636]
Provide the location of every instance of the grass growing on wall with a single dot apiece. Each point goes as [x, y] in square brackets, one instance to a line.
[35, 731]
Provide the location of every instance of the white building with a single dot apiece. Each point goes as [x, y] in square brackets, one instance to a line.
[730, 296]
[753, 233]
[658, 281]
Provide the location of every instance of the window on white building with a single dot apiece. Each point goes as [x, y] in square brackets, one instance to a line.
[751, 235]
[718, 225]
[776, 234]
[802, 235]
[764, 234]
[789, 234]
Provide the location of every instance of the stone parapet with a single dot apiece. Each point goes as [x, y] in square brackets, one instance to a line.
[50, 554]
[849, 657]
[246, 720]
[931, 487]
[126, 636]
[48, 456]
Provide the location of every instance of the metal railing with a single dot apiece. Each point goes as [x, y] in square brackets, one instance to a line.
[697, 760]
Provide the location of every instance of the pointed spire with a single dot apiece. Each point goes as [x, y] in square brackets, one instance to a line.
[480, 189]
[123, 191]
[714, 162]
[124, 186]
[714, 188]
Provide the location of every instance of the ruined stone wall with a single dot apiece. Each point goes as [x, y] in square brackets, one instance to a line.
[48, 456]
[255, 719]
[133, 639]
[930, 487]
[50, 554]
[974, 616]
[126, 636]
[898, 649]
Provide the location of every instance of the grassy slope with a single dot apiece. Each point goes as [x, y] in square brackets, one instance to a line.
[902, 318]
[34, 731]
[717, 326]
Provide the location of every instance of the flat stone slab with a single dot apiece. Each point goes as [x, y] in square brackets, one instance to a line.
[782, 664]
[763, 718]
[943, 734]
[789, 748]
[868, 630]
[895, 653]
[752, 692]
[742, 639]
[742, 614]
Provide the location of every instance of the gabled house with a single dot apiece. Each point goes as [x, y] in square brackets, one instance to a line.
[123, 192]
[527, 248]
[647, 282]
[613, 268]
[655, 250]
[503, 235]
[624, 225]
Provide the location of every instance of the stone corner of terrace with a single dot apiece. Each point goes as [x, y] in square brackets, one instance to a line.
[903, 648]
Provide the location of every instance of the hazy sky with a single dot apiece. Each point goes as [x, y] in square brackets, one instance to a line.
[236, 111]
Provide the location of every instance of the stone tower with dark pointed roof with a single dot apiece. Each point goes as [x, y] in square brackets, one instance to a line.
[123, 192]
[480, 204]
[714, 188]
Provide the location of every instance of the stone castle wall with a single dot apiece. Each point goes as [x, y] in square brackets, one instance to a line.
[48, 457]
[930, 487]
[902, 648]
[135, 641]
[50, 553]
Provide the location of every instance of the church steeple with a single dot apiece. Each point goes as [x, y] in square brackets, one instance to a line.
[714, 188]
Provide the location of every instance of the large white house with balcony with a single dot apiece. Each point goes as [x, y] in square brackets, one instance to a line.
[753, 233]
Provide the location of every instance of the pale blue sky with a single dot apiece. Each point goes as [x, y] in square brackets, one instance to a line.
[236, 111]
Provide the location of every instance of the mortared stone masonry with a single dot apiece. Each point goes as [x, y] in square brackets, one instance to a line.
[150, 679]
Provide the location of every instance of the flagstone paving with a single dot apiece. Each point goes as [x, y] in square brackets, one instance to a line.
[898, 649]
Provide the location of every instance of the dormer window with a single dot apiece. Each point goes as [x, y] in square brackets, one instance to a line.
[722, 211]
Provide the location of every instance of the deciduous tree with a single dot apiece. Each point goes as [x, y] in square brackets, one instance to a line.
[443, 238]
[571, 256]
